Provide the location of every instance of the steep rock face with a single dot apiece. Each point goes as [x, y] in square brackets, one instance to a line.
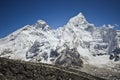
[39, 43]
[69, 58]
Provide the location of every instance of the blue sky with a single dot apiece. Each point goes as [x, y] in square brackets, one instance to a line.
[15, 14]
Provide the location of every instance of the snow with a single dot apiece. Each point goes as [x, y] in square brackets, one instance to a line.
[41, 22]
[78, 20]
[89, 40]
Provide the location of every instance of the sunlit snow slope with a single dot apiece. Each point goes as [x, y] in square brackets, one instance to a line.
[75, 44]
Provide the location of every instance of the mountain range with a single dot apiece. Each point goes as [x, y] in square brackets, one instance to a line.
[75, 45]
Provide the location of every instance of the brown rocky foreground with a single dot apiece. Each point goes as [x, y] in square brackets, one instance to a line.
[20, 70]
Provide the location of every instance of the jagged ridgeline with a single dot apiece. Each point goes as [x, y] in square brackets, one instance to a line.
[78, 44]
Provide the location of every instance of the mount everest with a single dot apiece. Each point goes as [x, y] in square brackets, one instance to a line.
[75, 44]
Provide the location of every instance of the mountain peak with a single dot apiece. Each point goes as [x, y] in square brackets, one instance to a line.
[41, 22]
[75, 45]
[80, 15]
[42, 25]
[78, 20]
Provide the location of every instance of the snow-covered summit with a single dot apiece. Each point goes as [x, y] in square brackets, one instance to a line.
[39, 43]
[41, 22]
[78, 20]
[42, 25]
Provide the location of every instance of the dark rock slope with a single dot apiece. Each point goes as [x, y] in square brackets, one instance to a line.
[19, 70]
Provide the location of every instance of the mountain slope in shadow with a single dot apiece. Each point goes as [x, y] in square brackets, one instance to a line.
[20, 70]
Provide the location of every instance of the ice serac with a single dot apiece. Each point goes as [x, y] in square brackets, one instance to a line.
[76, 44]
